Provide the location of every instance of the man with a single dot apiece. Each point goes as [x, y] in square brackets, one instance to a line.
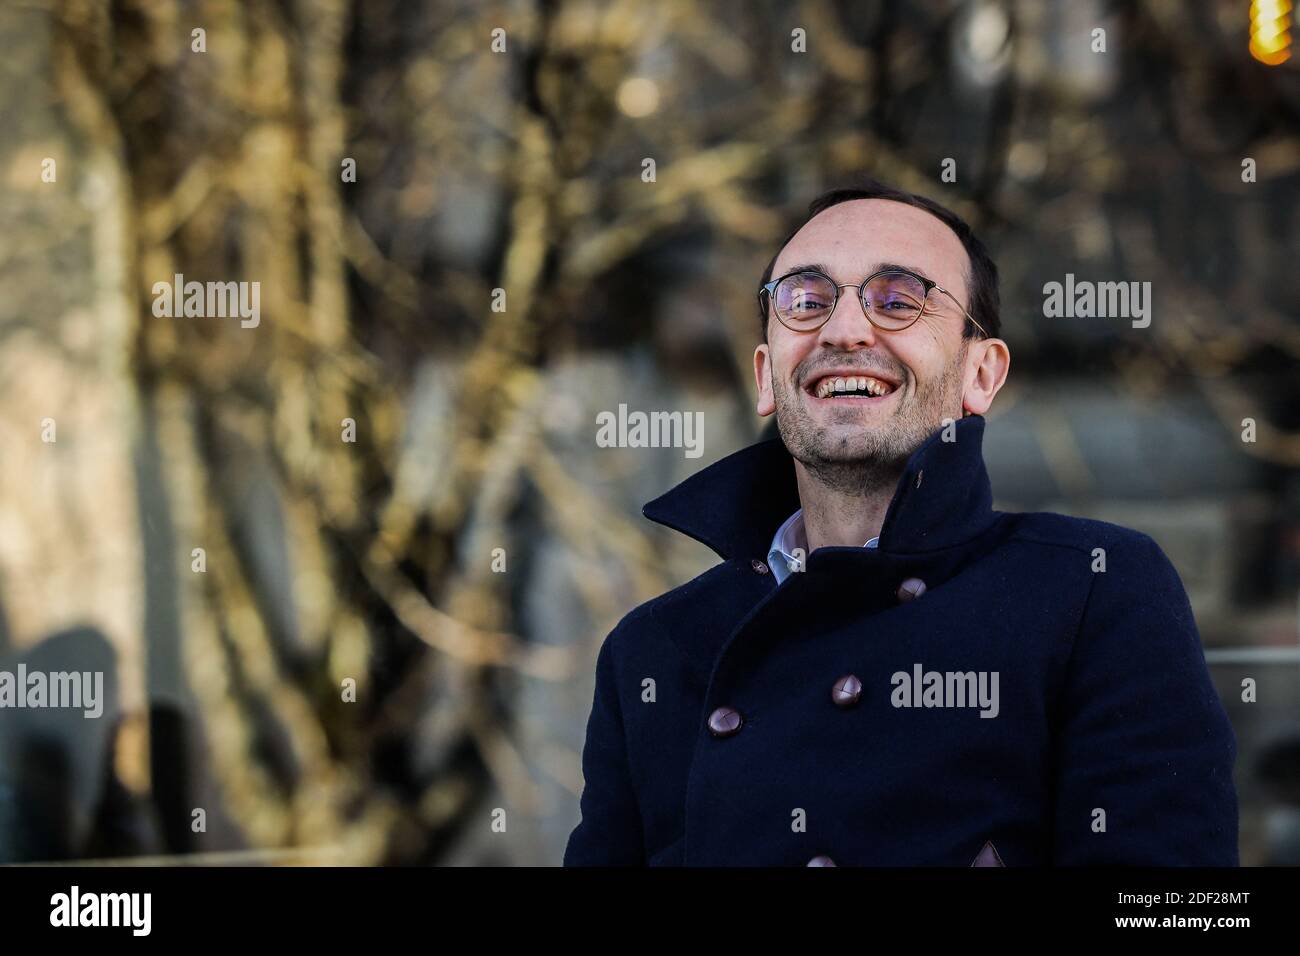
[883, 671]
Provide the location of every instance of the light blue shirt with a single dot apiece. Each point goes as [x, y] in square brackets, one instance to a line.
[791, 537]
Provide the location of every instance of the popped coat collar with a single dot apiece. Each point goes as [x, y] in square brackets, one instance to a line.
[735, 505]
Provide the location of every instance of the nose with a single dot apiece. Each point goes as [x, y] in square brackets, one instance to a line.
[848, 327]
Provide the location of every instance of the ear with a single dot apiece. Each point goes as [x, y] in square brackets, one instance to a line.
[987, 363]
[766, 404]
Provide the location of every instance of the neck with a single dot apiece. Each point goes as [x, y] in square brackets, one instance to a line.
[844, 504]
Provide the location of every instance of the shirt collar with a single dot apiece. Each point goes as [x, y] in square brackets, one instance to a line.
[792, 536]
[943, 497]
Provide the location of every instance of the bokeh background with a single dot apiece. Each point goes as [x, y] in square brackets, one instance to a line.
[503, 146]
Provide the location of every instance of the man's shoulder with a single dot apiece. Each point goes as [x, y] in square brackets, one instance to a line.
[1136, 568]
[713, 587]
[1081, 534]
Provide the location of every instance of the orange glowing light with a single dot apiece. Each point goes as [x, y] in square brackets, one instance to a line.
[1270, 31]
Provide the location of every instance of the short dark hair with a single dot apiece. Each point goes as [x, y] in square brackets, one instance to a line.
[982, 279]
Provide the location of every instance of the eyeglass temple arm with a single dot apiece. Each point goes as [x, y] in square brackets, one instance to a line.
[964, 309]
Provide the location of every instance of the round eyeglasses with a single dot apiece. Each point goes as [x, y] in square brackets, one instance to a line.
[892, 299]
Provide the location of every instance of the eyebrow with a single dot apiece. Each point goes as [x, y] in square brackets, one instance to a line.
[807, 267]
[878, 267]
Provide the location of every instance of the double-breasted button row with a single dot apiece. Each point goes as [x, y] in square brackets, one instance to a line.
[726, 721]
[845, 692]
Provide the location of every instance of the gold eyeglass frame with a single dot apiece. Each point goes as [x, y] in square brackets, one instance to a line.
[928, 284]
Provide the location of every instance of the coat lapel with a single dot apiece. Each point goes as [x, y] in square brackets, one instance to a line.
[736, 504]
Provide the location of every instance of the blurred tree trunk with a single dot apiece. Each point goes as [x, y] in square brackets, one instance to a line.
[223, 165]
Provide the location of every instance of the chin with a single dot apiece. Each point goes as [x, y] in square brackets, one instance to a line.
[846, 445]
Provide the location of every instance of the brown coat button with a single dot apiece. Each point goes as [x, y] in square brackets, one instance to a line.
[821, 860]
[758, 566]
[847, 691]
[911, 589]
[725, 721]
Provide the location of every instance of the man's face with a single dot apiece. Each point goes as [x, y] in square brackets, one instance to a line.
[924, 368]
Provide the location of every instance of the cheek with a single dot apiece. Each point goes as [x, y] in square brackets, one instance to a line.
[784, 357]
[927, 354]
[932, 336]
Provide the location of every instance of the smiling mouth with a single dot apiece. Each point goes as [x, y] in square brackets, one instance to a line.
[860, 387]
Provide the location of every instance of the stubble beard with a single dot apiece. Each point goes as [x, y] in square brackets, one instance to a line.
[861, 461]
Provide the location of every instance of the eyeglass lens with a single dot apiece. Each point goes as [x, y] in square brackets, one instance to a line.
[892, 299]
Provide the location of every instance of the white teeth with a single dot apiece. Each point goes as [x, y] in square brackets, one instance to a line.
[847, 386]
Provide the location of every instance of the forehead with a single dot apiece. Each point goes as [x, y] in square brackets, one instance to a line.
[853, 238]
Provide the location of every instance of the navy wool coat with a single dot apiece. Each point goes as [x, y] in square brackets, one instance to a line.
[736, 722]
